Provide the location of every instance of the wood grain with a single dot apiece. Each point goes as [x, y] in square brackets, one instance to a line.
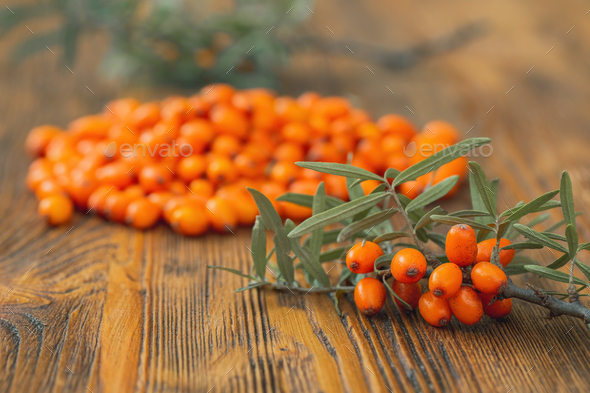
[103, 308]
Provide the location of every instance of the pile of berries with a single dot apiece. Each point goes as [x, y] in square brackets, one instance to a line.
[189, 160]
[448, 292]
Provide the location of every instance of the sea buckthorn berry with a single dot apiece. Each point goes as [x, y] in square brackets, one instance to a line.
[145, 115]
[241, 201]
[92, 126]
[411, 189]
[201, 187]
[221, 169]
[298, 132]
[408, 266]
[218, 93]
[142, 213]
[115, 205]
[488, 278]
[97, 198]
[189, 220]
[360, 259]
[442, 133]
[191, 168]
[445, 280]
[181, 200]
[228, 120]
[484, 251]
[435, 310]
[57, 209]
[115, 174]
[369, 185]
[39, 138]
[397, 125]
[48, 187]
[160, 198]
[461, 245]
[466, 305]
[80, 186]
[409, 293]
[284, 172]
[155, 178]
[221, 215]
[497, 309]
[370, 296]
[289, 151]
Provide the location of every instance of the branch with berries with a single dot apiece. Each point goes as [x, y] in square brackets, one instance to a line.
[470, 278]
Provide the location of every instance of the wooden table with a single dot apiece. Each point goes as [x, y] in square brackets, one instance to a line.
[104, 308]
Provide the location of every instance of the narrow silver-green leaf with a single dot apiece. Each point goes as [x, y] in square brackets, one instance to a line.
[391, 173]
[476, 201]
[345, 170]
[515, 268]
[522, 246]
[566, 196]
[390, 236]
[271, 218]
[449, 220]
[538, 220]
[572, 239]
[469, 213]
[538, 237]
[310, 263]
[395, 295]
[382, 261]
[258, 247]
[251, 286]
[548, 205]
[307, 200]
[367, 223]
[336, 214]
[555, 236]
[426, 219]
[284, 261]
[355, 191]
[317, 236]
[438, 238]
[584, 246]
[483, 187]
[494, 189]
[438, 159]
[559, 224]
[234, 271]
[559, 262]
[584, 268]
[532, 206]
[435, 192]
[331, 255]
[554, 275]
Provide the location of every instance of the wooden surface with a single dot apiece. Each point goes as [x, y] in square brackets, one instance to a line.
[103, 308]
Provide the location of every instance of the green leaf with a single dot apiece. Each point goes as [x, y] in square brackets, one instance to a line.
[449, 220]
[438, 238]
[559, 262]
[390, 236]
[271, 219]
[234, 271]
[483, 187]
[538, 237]
[345, 274]
[548, 205]
[532, 206]
[336, 214]
[572, 239]
[284, 261]
[469, 213]
[312, 265]
[516, 268]
[395, 295]
[382, 261]
[356, 183]
[366, 223]
[538, 220]
[258, 247]
[558, 224]
[567, 199]
[422, 235]
[350, 171]
[439, 159]
[415, 215]
[522, 246]
[391, 173]
[331, 255]
[317, 236]
[494, 188]
[426, 220]
[584, 268]
[251, 286]
[435, 192]
[307, 200]
[554, 275]
[555, 236]
[476, 201]
[584, 246]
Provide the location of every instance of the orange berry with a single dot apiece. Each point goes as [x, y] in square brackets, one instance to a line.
[370, 150]
[397, 125]
[306, 100]
[445, 280]
[325, 152]
[57, 209]
[142, 213]
[221, 169]
[218, 93]
[115, 174]
[250, 164]
[298, 132]
[227, 145]
[155, 177]
[121, 108]
[284, 172]
[411, 188]
[370, 296]
[435, 310]
[199, 133]
[361, 259]
[48, 187]
[409, 293]
[146, 115]
[179, 201]
[331, 107]
[242, 202]
[287, 109]
[191, 168]
[92, 126]
[408, 266]
[485, 248]
[39, 138]
[201, 187]
[289, 151]
[296, 212]
[272, 191]
[97, 199]
[441, 132]
[222, 217]
[370, 185]
[466, 305]
[368, 130]
[336, 186]
[228, 120]
[488, 278]
[461, 245]
[497, 309]
[176, 110]
[189, 220]
[160, 198]
[115, 205]
[80, 186]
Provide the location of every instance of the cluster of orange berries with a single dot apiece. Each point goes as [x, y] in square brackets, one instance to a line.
[447, 295]
[236, 139]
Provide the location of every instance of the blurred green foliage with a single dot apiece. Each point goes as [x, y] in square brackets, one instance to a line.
[166, 41]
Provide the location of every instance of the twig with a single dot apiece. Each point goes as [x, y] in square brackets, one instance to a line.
[571, 289]
[282, 287]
